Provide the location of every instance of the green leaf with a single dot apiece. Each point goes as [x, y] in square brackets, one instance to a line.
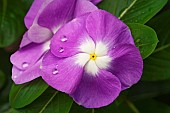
[152, 106]
[11, 21]
[145, 38]
[24, 94]
[133, 11]
[2, 79]
[157, 66]
[51, 101]
[146, 89]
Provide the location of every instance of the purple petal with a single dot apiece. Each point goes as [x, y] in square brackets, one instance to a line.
[97, 91]
[66, 41]
[20, 76]
[32, 13]
[60, 12]
[103, 26]
[25, 40]
[127, 64]
[61, 74]
[57, 13]
[84, 7]
[39, 34]
[95, 1]
[27, 56]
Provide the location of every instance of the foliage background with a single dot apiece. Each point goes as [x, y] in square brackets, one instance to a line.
[150, 95]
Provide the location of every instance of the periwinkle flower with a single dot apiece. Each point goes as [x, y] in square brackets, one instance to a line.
[43, 20]
[93, 58]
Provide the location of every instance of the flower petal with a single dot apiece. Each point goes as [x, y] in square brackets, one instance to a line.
[39, 34]
[95, 1]
[103, 26]
[54, 17]
[82, 59]
[71, 39]
[83, 7]
[97, 91]
[27, 56]
[57, 13]
[32, 13]
[91, 68]
[103, 62]
[25, 40]
[127, 64]
[20, 76]
[62, 74]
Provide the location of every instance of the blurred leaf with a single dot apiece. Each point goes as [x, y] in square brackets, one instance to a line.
[5, 66]
[27, 3]
[5, 108]
[164, 98]
[157, 66]
[152, 106]
[144, 90]
[24, 94]
[2, 79]
[133, 11]
[11, 21]
[51, 101]
[145, 38]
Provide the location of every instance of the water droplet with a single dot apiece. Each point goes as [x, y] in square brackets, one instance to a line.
[64, 38]
[143, 12]
[15, 77]
[55, 71]
[61, 50]
[25, 65]
[40, 66]
[56, 66]
[138, 40]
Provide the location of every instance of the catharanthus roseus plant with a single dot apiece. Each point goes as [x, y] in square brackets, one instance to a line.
[43, 20]
[81, 54]
[93, 58]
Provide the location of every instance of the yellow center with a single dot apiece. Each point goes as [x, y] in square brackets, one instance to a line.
[93, 56]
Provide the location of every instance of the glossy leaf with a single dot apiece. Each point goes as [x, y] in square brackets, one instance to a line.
[133, 11]
[11, 21]
[145, 38]
[157, 66]
[145, 90]
[51, 101]
[24, 94]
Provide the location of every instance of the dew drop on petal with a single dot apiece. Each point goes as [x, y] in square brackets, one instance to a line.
[25, 65]
[61, 50]
[40, 67]
[55, 71]
[15, 77]
[56, 66]
[64, 38]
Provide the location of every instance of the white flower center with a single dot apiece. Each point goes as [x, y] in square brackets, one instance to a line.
[93, 56]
